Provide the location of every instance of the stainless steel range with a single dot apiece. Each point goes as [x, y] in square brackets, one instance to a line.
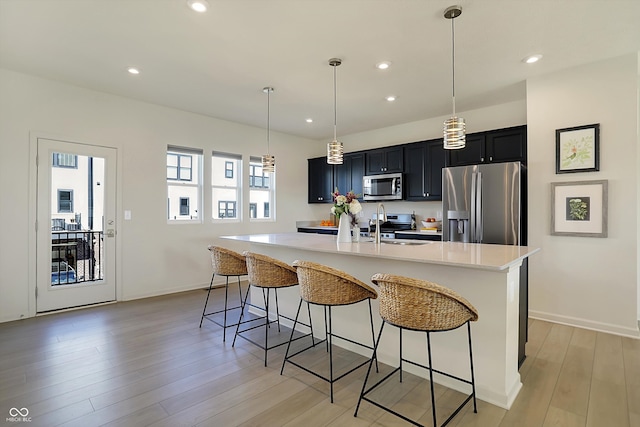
[395, 222]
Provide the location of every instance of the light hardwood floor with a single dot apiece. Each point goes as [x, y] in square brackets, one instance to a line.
[146, 363]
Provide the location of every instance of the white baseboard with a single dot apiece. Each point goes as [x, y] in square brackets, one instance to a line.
[587, 324]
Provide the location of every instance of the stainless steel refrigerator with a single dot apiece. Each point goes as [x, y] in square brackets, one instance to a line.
[487, 204]
[484, 204]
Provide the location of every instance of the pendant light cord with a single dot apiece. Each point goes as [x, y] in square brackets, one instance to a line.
[453, 66]
[268, 119]
[335, 105]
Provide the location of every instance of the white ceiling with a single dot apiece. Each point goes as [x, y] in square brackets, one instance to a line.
[217, 63]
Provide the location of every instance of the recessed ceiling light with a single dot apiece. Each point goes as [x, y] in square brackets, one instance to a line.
[390, 98]
[309, 120]
[383, 65]
[198, 5]
[133, 70]
[531, 59]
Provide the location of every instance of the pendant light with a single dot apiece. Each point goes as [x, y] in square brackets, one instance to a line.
[268, 161]
[454, 127]
[334, 148]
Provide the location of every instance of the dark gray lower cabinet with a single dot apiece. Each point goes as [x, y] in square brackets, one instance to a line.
[416, 236]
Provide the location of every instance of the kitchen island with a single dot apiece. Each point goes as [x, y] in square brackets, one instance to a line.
[486, 275]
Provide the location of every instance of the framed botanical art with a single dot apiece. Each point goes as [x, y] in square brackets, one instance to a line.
[579, 208]
[578, 149]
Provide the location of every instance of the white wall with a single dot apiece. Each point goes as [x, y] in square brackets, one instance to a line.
[589, 282]
[156, 257]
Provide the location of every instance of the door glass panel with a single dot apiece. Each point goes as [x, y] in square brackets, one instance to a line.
[77, 218]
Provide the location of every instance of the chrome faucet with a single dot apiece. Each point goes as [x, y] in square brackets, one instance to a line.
[384, 218]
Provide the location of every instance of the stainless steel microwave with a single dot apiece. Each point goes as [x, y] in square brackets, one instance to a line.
[382, 187]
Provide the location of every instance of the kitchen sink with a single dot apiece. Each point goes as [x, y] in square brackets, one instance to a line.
[403, 242]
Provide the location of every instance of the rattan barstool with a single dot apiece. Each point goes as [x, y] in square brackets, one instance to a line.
[267, 273]
[328, 287]
[420, 305]
[226, 263]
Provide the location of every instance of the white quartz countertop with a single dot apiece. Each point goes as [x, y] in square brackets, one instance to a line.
[467, 255]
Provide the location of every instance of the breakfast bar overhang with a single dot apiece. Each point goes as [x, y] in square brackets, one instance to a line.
[486, 275]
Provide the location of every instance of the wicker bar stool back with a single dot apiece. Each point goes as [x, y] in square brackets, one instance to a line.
[224, 262]
[326, 286]
[266, 273]
[420, 305]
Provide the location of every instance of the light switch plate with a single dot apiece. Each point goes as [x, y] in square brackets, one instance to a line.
[127, 215]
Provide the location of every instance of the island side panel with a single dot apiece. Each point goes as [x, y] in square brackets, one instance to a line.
[495, 334]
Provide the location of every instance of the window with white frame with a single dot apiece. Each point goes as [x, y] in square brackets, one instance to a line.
[184, 184]
[226, 186]
[261, 190]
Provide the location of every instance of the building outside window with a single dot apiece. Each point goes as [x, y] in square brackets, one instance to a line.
[226, 186]
[261, 190]
[65, 160]
[65, 201]
[184, 206]
[226, 209]
[184, 184]
[253, 210]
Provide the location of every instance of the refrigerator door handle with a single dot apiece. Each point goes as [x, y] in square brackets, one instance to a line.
[479, 223]
[473, 219]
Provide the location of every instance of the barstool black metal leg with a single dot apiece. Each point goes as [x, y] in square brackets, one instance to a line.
[473, 380]
[226, 299]
[313, 341]
[207, 300]
[330, 356]
[295, 322]
[275, 291]
[433, 397]
[401, 354]
[241, 315]
[326, 331]
[266, 329]
[364, 384]
[239, 290]
[373, 334]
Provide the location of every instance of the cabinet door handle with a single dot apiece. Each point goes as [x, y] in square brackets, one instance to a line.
[427, 194]
[491, 158]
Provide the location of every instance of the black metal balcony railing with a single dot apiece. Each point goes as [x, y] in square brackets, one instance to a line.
[76, 257]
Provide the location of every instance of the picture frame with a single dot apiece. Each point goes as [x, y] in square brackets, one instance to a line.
[578, 149]
[579, 208]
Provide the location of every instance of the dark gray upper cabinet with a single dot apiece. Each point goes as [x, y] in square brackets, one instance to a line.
[348, 175]
[320, 180]
[496, 146]
[384, 160]
[423, 163]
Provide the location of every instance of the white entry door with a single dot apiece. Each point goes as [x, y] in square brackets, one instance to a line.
[76, 229]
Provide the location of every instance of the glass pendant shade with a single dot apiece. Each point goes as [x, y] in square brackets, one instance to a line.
[268, 163]
[334, 152]
[454, 133]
